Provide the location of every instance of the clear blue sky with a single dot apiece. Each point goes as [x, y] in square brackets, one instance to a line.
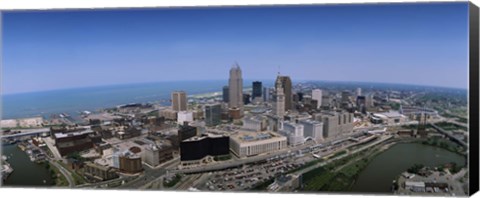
[425, 44]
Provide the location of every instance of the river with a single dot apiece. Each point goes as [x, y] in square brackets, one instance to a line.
[377, 177]
[25, 173]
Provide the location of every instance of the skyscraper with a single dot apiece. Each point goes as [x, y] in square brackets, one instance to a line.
[286, 85]
[359, 91]
[266, 94]
[235, 88]
[280, 100]
[179, 101]
[317, 95]
[213, 114]
[225, 94]
[256, 89]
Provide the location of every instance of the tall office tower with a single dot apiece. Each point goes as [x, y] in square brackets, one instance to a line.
[280, 100]
[246, 99]
[213, 113]
[286, 85]
[256, 89]
[317, 95]
[266, 94]
[235, 88]
[369, 101]
[345, 96]
[225, 94]
[359, 91]
[300, 96]
[179, 101]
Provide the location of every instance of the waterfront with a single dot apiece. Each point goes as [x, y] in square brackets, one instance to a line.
[377, 177]
[26, 173]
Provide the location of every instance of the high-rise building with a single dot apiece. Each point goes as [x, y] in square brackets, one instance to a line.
[286, 85]
[186, 131]
[317, 95]
[345, 96]
[235, 89]
[246, 99]
[266, 94]
[312, 129]
[213, 113]
[335, 123]
[294, 132]
[359, 91]
[225, 94]
[151, 155]
[256, 89]
[279, 100]
[369, 101]
[300, 96]
[179, 101]
[184, 116]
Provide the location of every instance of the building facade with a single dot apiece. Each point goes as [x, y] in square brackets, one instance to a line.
[245, 144]
[335, 123]
[235, 88]
[256, 89]
[317, 95]
[196, 148]
[179, 101]
[312, 129]
[213, 114]
[286, 84]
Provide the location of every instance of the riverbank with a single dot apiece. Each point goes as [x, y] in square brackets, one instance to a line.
[352, 173]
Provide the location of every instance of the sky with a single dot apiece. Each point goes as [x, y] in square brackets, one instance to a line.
[423, 44]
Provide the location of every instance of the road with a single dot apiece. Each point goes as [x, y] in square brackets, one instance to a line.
[65, 172]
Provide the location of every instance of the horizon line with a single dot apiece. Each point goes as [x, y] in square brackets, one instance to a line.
[295, 81]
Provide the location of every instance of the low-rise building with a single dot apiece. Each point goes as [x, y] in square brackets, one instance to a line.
[99, 172]
[245, 143]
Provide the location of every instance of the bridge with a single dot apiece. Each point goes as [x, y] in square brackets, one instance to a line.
[449, 135]
[27, 132]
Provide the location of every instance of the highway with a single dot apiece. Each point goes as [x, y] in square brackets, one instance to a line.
[27, 132]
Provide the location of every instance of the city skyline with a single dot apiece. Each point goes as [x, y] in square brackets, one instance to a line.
[93, 48]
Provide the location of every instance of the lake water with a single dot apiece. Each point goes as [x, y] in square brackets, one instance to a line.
[72, 101]
[377, 177]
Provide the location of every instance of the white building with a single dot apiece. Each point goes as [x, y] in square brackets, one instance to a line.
[391, 117]
[244, 143]
[317, 95]
[359, 91]
[294, 132]
[312, 129]
[151, 155]
[255, 123]
[184, 116]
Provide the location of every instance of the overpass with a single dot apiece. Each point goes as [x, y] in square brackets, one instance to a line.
[27, 132]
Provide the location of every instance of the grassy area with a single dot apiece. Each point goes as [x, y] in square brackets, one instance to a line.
[338, 175]
[77, 178]
[445, 144]
[172, 182]
[57, 176]
[222, 157]
[450, 127]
